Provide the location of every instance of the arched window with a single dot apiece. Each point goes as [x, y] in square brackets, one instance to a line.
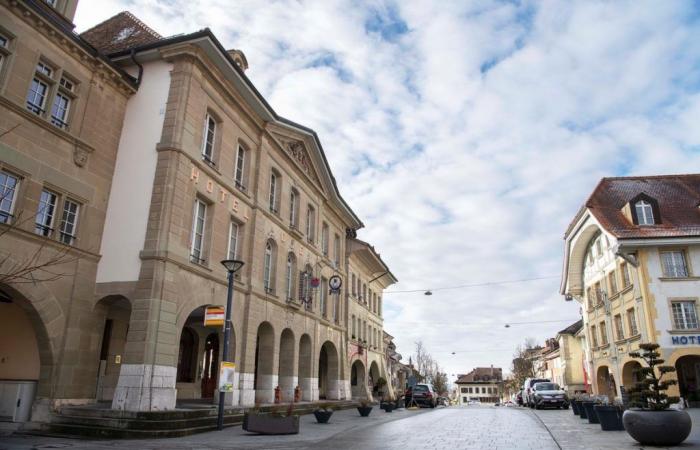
[291, 275]
[645, 213]
[269, 266]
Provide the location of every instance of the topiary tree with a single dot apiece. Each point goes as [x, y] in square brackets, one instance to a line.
[649, 392]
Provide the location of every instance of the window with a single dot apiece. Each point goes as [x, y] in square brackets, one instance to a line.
[8, 189]
[38, 90]
[379, 306]
[645, 214]
[364, 293]
[598, 293]
[294, 209]
[290, 275]
[632, 322]
[69, 222]
[324, 239]
[4, 50]
[353, 327]
[624, 270]
[594, 336]
[274, 186]
[336, 307]
[598, 248]
[198, 228]
[45, 213]
[619, 331]
[232, 241]
[59, 112]
[310, 223]
[674, 264]
[612, 282]
[322, 296]
[52, 2]
[336, 250]
[305, 292]
[464, 390]
[240, 168]
[685, 316]
[603, 334]
[354, 286]
[269, 266]
[209, 139]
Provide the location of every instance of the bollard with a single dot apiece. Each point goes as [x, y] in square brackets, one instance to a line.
[278, 395]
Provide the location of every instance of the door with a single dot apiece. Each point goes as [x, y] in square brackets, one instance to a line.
[211, 365]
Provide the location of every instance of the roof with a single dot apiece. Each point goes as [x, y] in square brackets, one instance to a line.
[678, 197]
[573, 328]
[482, 374]
[378, 259]
[119, 33]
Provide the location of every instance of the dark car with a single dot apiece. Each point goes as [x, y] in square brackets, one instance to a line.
[549, 395]
[422, 394]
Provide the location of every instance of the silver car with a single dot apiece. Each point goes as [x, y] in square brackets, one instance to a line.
[549, 394]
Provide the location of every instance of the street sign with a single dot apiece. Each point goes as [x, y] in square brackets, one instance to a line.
[226, 374]
[214, 316]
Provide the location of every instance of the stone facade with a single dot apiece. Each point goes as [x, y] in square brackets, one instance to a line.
[56, 170]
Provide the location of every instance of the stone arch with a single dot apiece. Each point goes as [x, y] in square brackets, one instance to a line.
[374, 376]
[328, 372]
[305, 367]
[629, 377]
[576, 258]
[286, 373]
[605, 381]
[358, 383]
[112, 314]
[688, 376]
[46, 319]
[265, 379]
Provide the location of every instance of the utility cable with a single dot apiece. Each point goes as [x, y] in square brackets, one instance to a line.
[462, 286]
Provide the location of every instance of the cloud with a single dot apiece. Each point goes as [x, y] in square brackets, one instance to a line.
[467, 136]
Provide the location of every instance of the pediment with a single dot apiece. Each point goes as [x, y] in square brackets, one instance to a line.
[299, 153]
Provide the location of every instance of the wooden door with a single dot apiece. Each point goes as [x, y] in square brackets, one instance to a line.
[211, 365]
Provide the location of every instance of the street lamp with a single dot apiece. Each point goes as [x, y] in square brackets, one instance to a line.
[231, 265]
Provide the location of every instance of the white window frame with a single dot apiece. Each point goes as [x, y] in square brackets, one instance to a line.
[632, 322]
[336, 250]
[239, 170]
[267, 267]
[290, 276]
[619, 327]
[676, 266]
[47, 211]
[207, 146]
[31, 105]
[645, 213]
[273, 192]
[293, 208]
[325, 237]
[233, 233]
[199, 215]
[68, 230]
[4, 50]
[60, 110]
[685, 316]
[8, 195]
[310, 223]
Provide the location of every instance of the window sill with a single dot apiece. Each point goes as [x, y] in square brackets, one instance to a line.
[684, 331]
[679, 278]
[294, 231]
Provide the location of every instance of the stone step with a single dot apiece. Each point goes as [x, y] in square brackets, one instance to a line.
[86, 431]
[138, 424]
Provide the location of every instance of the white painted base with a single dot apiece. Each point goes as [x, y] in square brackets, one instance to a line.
[145, 387]
[346, 394]
[306, 389]
[287, 385]
[265, 392]
[247, 393]
[333, 390]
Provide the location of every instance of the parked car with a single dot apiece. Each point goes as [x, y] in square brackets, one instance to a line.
[549, 394]
[422, 394]
[528, 399]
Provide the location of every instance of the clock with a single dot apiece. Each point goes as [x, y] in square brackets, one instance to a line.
[335, 283]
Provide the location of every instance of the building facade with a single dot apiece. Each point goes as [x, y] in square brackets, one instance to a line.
[563, 360]
[631, 254]
[157, 159]
[483, 385]
[62, 105]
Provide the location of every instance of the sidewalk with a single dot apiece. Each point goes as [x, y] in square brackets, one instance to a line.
[571, 432]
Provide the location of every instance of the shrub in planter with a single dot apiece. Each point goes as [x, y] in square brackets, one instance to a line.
[590, 412]
[574, 406]
[323, 413]
[581, 409]
[273, 423]
[609, 416]
[651, 422]
[388, 405]
[365, 408]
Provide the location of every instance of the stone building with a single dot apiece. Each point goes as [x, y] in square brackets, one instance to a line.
[562, 360]
[164, 160]
[483, 385]
[631, 260]
[61, 111]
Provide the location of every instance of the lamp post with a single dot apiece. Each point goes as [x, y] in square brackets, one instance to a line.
[231, 265]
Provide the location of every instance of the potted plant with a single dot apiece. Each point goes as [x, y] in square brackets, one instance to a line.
[276, 422]
[651, 422]
[609, 414]
[389, 404]
[323, 413]
[590, 412]
[365, 408]
[581, 409]
[575, 405]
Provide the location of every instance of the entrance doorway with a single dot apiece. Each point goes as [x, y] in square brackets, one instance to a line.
[211, 365]
[688, 372]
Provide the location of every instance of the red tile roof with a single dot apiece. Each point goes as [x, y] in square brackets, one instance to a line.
[119, 33]
[482, 374]
[678, 197]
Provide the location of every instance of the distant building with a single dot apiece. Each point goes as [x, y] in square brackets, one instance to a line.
[562, 359]
[483, 384]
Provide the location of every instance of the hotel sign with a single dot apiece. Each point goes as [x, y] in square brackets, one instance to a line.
[685, 340]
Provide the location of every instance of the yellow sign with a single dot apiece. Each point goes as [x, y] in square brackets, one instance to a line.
[214, 316]
[226, 374]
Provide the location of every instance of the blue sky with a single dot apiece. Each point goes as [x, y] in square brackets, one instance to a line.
[467, 135]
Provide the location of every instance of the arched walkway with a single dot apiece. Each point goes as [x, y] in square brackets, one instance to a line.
[358, 385]
[629, 376]
[287, 380]
[265, 378]
[606, 383]
[374, 378]
[114, 312]
[688, 373]
[328, 372]
[304, 372]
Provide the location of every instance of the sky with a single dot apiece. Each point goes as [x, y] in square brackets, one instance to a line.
[466, 135]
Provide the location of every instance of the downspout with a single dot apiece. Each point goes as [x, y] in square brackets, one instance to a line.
[132, 56]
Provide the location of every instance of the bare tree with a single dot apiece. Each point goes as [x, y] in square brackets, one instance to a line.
[522, 361]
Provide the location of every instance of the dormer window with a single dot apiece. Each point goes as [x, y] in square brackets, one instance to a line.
[645, 214]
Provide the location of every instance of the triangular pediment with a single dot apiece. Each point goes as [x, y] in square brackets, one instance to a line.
[299, 153]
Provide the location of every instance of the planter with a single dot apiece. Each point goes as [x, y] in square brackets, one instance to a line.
[590, 412]
[322, 416]
[667, 428]
[610, 417]
[388, 407]
[399, 404]
[575, 406]
[364, 410]
[266, 424]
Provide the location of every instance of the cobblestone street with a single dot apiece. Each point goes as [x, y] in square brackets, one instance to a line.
[475, 427]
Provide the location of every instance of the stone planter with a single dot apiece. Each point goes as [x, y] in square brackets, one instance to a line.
[665, 428]
[266, 424]
[322, 416]
[388, 407]
[610, 417]
[574, 407]
[364, 410]
[590, 412]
